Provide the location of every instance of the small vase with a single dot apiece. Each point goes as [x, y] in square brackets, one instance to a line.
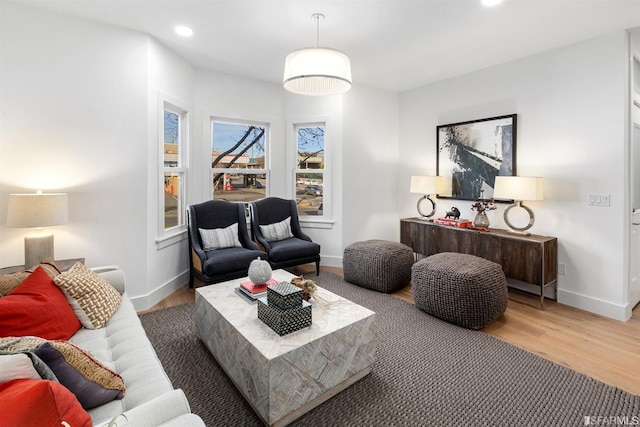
[481, 220]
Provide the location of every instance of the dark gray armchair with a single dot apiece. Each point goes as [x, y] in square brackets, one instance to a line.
[285, 243]
[226, 261]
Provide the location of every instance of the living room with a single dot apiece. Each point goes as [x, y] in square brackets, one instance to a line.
[80, 115]
[61, 82]
[81, 104]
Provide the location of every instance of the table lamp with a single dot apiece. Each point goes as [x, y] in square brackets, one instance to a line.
[427, 185]
[519, 189]
[37, 210]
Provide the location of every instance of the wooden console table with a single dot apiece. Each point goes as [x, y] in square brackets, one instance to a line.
[525, 260]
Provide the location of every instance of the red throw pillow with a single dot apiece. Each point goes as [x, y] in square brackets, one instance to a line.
[37, 307]
[40, 403]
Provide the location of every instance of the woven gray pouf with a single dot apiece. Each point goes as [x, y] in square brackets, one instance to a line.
[378, 264]
[461, 289]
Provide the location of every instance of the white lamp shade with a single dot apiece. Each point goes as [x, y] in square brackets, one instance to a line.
[317, 71]
[518, 188]
[427, 184]
[37, 210]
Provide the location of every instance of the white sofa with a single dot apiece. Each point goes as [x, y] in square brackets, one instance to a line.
[123, 346]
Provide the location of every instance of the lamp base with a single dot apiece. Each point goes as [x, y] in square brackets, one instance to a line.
[37, 248]
[522, 231]
[419, 207]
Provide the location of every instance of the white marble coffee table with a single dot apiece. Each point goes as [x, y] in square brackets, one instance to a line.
[284, 377]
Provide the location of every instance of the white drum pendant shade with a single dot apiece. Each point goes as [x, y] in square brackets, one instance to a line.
[317, 71]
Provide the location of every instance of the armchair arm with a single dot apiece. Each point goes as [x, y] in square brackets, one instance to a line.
[194, 243]
[295, 224]
[243, 233]
[255, 228]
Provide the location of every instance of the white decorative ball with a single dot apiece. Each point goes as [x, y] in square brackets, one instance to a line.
[259, 271]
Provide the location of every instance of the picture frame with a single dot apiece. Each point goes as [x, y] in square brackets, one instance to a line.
[471, 154]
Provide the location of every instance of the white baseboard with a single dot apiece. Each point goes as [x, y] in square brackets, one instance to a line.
[331, 261]
[144, 302]
[595, 305]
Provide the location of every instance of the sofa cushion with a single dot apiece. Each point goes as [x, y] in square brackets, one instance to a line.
[91, 382]
[277, 231]
[91, 297]
[287, 249]
[56, 406]
[220, 238]
[37, 307]
[229, 260]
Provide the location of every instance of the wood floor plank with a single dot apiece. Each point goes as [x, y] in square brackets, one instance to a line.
[602, 348]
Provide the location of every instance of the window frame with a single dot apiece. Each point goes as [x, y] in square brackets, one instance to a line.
[326, 219]
[266, 171]
[168, 236]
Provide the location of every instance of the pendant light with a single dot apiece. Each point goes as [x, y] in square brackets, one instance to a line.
[317, 71]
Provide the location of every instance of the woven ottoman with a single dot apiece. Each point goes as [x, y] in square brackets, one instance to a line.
[378, 264]
[461, 289]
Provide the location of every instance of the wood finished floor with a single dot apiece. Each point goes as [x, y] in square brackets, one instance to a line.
[602, 348]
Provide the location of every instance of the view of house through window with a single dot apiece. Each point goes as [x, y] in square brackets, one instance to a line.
[238, 161]
[310, 169]
[174, 168]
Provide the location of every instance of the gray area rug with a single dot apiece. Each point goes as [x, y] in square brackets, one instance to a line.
[427, 373]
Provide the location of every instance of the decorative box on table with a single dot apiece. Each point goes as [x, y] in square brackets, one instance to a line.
[284, 295]
[283, 310]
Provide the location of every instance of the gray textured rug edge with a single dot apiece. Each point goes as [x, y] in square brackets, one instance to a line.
[427, 372]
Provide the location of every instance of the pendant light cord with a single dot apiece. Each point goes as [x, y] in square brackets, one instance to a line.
[317, 17]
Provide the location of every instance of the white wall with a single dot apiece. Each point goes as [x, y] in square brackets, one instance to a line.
[227, 96]
[571, 131]
[170, 78]
[73, 118]
[78, 105]
[370, 161]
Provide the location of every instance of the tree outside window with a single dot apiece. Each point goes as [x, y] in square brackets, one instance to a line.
[310, 169]
[238, 161]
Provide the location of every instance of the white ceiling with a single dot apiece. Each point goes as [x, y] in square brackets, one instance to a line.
[393, 44]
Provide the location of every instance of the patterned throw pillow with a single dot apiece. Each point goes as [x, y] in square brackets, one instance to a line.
[92, 298]
[277, 231]
[9, 282]
[47, 265]
[220, 238]
[92, 383]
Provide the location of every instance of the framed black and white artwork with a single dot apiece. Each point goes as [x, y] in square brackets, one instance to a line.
[471, 154]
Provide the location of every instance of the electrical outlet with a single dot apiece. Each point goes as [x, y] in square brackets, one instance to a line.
[562, 268]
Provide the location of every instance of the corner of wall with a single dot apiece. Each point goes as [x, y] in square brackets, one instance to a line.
[148, 300]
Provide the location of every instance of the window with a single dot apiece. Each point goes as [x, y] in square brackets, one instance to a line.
[239, 167]
[310, 169]
[174, 140]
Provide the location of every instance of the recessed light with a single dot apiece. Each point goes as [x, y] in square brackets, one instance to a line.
[490, 3]
[184, 31]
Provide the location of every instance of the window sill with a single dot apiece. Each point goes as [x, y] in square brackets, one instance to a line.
[171, 239]
[316, 223]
